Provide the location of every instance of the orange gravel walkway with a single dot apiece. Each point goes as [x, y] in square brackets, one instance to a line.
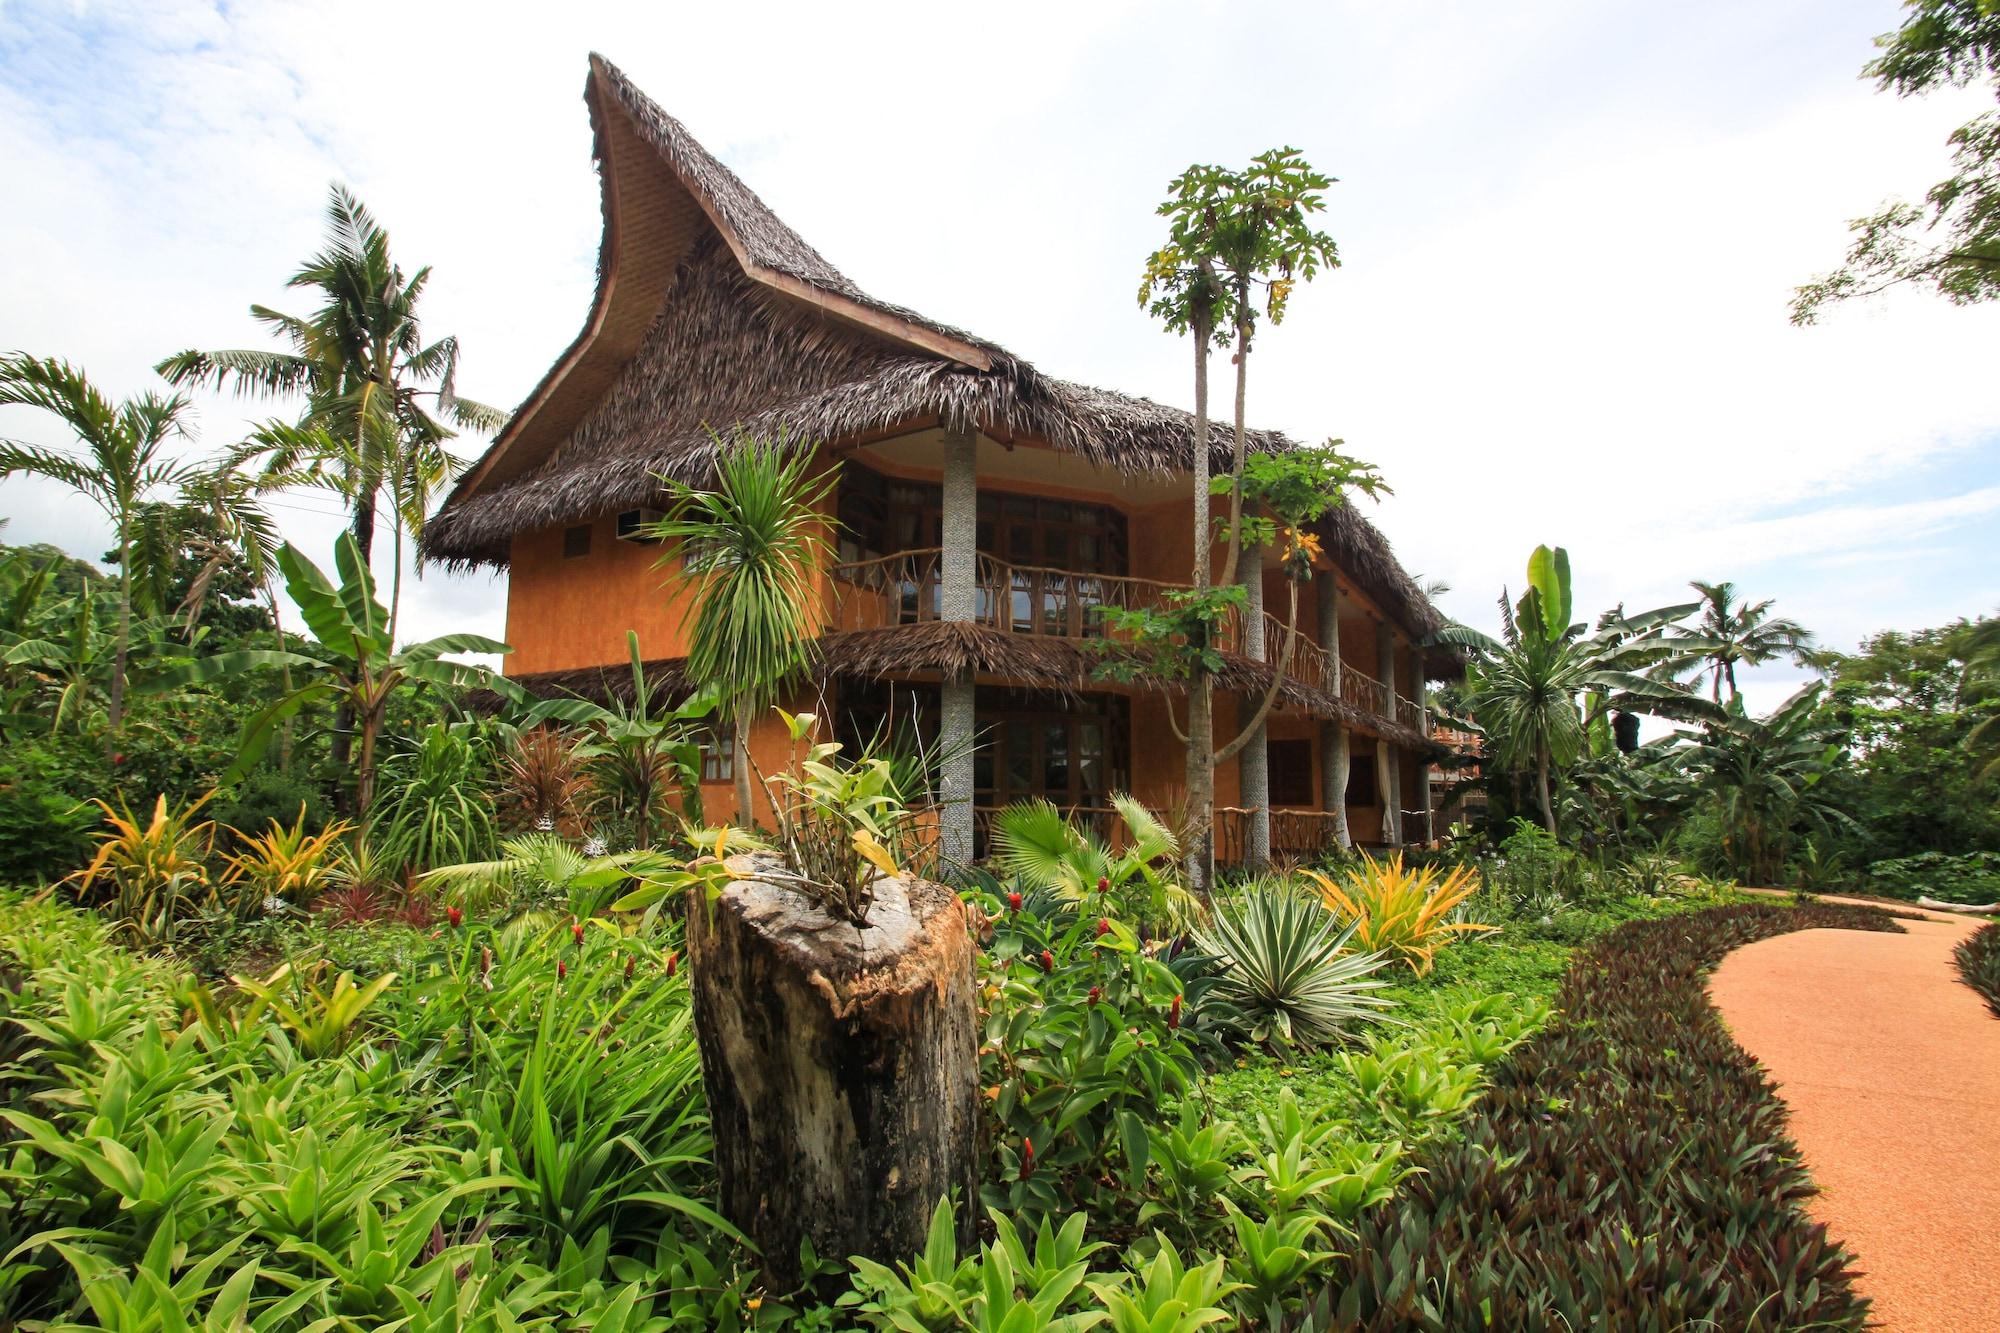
[1890, 1066]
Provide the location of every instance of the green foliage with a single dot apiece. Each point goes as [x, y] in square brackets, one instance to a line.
[1285, 969]
[1037, 845]
[436, 807]
[1627, 1167]
[44, 833]
[270, 796]
[1970, 878]
[1764, 778]
[1951, 241]
[1978, 959]
[150, 874]
[1083, 1038]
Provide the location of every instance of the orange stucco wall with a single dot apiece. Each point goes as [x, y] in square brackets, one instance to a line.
[568, 612]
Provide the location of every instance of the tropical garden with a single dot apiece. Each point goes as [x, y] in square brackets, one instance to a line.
[344, 984]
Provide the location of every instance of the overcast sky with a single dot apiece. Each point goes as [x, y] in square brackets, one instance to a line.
[1569, 231]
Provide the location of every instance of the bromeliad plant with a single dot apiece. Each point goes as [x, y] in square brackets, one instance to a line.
[148, 877]
[1403, 911]
[284, 867]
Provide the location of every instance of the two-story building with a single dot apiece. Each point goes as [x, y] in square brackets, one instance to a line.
[984, 512]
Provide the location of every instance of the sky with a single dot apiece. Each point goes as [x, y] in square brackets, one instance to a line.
[1569, 232]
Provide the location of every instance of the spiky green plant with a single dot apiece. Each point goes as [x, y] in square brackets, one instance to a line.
[1285, 964]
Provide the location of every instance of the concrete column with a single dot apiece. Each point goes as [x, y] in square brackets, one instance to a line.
[957, 601]
[1253, 761]
[1388, 774]
[1424, 769]
[1332, 736]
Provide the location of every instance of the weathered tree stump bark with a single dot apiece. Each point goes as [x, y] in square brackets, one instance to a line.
[841, 1064]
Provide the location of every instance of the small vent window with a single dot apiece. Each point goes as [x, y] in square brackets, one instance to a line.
[633, 524]
[576, 541]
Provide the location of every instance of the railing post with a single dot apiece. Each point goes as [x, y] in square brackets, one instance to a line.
[1253, 761]
[1332, 736]
[1388, 770]
[957, 601]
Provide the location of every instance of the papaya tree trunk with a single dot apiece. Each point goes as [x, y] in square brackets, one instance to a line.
[841, 1064]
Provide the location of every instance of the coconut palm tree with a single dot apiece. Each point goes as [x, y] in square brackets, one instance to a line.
[1982, 680]
[126, 467]
[1730, 633]
[1764, 775]
[1527, 689]
[378, 397]
[747, 552]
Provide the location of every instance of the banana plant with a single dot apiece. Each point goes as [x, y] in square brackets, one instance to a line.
[357, 662]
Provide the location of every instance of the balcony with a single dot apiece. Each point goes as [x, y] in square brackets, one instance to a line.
[903, 589]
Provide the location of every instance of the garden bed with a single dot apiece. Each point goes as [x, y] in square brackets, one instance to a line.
[1978, 959]
[1628, 1168]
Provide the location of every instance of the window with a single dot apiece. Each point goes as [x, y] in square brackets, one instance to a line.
[576, 541]
[1361, 779]
[1291, 772]
[634, 525]
[698, 556]
[718, 753]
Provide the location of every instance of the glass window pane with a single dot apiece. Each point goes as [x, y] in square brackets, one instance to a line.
[1055, 762]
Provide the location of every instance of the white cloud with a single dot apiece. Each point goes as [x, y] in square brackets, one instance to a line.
[1570, 232]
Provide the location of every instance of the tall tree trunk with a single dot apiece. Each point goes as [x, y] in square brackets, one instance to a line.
[370, 720]
[739, 760]
[1239, 445]
[122, 649]
[841, 1065]
[1542, 788]
[1200, 854]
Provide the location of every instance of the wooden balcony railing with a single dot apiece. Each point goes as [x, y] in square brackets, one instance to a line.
[905, 589]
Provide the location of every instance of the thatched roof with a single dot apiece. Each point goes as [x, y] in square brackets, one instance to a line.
[939, 649]
[710, 312]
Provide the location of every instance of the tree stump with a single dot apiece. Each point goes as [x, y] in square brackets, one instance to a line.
[841, 1064]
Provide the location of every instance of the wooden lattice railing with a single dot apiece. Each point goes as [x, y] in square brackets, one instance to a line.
[905, 589]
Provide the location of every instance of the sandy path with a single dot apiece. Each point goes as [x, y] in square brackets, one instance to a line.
[1890, 1066]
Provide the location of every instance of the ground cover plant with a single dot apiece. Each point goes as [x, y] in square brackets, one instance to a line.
[1978, 961]
[1627, 1167]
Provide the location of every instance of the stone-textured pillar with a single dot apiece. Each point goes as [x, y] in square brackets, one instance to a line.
[1332, 736]
[1388, 773]
[1253, 761]
[957, 601]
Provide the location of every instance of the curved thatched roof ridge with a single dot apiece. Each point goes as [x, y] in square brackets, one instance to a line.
[680, 340]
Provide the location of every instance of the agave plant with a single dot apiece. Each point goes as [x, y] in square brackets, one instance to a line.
[1037, 844]
[1401, 910]
[1285, 965]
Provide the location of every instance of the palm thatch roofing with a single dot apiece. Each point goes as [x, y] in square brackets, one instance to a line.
[712, 313]
[939, 649]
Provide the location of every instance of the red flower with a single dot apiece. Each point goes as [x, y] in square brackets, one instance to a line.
[1174, 1015]
[1048, 961]
[1103, 926]
[1014, 901]
[562, 970]
[1027, 1158]
[456, 917]
[118, 758]
[576, 932]
[1104, 884]
[1096, 994]
[673, 961]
